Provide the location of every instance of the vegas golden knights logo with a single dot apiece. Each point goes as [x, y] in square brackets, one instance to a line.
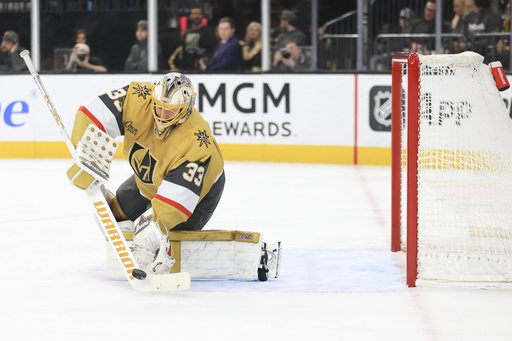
[143, 163]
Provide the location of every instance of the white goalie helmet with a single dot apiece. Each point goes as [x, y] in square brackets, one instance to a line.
[173, 93]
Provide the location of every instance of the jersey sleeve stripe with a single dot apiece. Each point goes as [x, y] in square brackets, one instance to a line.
[177, 193]
[114, 107]
[174, 204]
[92, 117]
[96, 110]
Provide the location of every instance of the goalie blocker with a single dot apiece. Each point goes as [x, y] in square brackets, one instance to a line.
[215, 255]
[94, 154]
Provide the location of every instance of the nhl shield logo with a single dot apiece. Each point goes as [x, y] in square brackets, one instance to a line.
[380, 108]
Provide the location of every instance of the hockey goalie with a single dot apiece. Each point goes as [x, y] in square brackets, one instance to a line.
[177, 182]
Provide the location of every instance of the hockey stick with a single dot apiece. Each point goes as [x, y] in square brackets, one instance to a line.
[136, 277]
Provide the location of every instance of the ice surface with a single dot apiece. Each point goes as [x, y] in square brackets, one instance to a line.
[339, 280]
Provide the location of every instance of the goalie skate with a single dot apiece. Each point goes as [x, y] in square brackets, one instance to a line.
[270, 262]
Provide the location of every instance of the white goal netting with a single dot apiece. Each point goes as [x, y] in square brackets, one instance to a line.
[464, 172]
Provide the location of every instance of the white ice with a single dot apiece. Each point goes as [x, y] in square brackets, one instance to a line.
[339, 280]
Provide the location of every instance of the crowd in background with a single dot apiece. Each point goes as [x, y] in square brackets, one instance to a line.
[475, 26]
[201, 48]
[206, 47]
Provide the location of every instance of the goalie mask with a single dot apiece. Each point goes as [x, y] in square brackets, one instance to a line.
[173, 100]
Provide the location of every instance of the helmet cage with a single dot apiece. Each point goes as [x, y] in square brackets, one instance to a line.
[173, 87]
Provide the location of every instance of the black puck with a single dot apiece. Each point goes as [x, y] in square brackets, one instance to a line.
[139, 274]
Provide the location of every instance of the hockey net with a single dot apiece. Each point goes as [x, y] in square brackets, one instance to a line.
[451, 170]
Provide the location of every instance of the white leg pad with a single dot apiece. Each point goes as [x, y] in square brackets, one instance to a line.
[206, 255]
[220, 260]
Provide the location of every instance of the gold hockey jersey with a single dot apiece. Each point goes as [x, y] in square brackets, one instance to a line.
[175, 173]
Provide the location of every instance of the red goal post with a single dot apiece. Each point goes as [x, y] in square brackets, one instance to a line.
[451, 170]
[400, 63]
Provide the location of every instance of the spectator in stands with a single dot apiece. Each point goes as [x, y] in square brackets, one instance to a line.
[81, 36]
[382, 48]
[138, 58]
[81, 60]
[197, 42]
[481, 19]
[503, 45]
[426, 24]
[461, 10]
[502, 53]
[251, 48]
[291, 59]
[385, 48]
[228, 54]
[506, 21]
[10, 60]
[323, 60]
[405, 20]
[275, 34]
[289, 32]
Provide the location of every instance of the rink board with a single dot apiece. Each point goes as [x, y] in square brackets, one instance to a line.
[256, 117]
[316, 118]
